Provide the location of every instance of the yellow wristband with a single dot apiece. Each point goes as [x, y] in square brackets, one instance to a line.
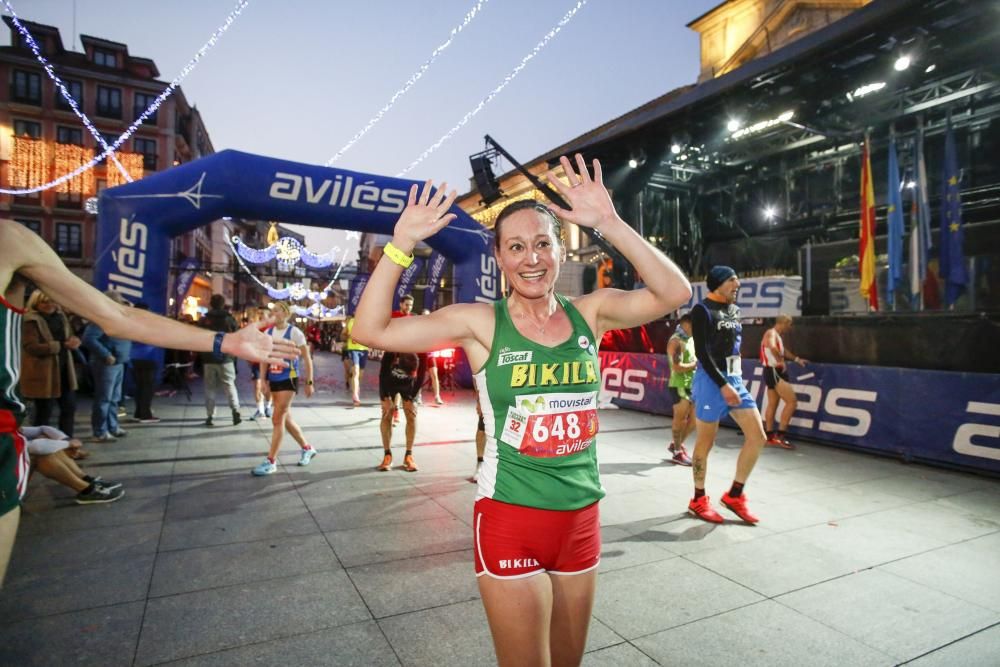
[397, 256]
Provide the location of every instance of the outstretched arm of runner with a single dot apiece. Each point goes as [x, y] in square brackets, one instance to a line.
[591, 207]
[374, 325]
[27, 254]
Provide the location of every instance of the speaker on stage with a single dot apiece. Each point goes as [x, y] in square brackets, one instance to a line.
[486, 182]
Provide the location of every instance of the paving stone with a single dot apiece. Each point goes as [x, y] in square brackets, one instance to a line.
[377, 544]
[648, 598]
[44, 591]
[442, 579]
[766, 634]
[355, 645]
[977, 649]
[456, 635]
[889, 613]
[245, 562]
[105, 636]
[185, 625]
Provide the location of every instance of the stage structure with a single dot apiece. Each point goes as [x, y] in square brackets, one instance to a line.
[136, 221]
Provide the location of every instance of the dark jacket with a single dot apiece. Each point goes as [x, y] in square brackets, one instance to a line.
[40, 377]
[218, 320]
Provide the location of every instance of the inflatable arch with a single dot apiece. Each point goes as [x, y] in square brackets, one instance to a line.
[136, 221]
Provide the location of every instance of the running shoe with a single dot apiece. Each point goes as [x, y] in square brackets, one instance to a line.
[237, 418]
[738, 506]
[265, 468]
[680, 456]
[408, 464]
[419, 400]
[98, 494]
[150, 420]
[104, 437]
[120, 433]
[99, 481]
[775, 441]
[208, 422]
[356, 401]
[306, 456]
[386, 463]
[702, 509]
[257, 414]
[437, 399]
[268, 409]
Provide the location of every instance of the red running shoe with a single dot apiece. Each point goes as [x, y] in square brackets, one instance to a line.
[738, 506]
[702, 509]
[680, 457]
[775, 441]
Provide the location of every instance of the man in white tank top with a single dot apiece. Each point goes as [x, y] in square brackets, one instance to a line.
[773, 355]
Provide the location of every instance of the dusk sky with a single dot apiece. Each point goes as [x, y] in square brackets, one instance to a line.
[297, 79]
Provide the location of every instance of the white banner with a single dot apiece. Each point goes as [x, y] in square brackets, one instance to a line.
[760, 297]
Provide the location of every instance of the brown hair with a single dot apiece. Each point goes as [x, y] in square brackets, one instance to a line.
[527, 205]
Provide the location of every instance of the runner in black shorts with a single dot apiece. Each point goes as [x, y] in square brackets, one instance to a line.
[403, 374]
[779, 388]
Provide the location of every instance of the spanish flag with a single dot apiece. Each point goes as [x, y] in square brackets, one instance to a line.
[866, 242]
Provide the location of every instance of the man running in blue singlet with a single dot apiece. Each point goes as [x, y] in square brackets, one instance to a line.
[718, 390]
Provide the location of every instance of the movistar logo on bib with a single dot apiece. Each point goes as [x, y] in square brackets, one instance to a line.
[507, 358]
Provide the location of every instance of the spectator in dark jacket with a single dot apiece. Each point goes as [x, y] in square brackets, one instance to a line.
[220, 371]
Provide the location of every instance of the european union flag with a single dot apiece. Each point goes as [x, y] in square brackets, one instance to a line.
[952, 247]
[895, 226]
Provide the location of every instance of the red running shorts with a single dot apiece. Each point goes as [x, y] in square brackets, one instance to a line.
[512, 541]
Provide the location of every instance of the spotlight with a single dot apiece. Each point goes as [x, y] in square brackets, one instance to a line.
[637, 159]
[930, 68]
[911, 184]
[901, 63]
[733, 125]
[786, 116]
[675, 149]
[769, 213]
[633, 163]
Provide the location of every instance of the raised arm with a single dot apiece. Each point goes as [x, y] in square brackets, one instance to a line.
[36, 261]
[666, 287]
[451, 326]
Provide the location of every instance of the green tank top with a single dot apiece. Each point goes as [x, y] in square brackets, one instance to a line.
[683, 380]
[539, 406]
[12, 407]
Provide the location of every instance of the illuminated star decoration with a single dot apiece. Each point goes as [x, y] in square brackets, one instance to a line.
[289, 252]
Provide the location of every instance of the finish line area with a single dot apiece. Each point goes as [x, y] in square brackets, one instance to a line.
[202, 561]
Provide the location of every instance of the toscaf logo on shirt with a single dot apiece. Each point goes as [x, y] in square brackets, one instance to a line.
[507, 358]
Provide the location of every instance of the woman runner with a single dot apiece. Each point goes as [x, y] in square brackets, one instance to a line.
[536, 525]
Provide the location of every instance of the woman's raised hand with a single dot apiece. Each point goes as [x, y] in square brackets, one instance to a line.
[425, 216]
[591, 204]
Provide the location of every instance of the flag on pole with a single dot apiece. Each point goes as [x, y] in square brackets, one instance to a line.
[951, 251]
[866, 241]
[920, 222]
[895, 226]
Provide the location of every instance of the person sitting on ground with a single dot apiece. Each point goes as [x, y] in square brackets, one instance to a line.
[47, 448]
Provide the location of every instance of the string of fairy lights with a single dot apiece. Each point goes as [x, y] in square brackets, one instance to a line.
[151, 109]
[496, 91]
[471, 14]
[31, 158]
[33, 45]
[289, 252]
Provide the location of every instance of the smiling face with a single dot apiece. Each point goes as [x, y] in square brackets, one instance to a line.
[530, 253]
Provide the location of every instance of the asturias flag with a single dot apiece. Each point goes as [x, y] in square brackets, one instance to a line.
[866, 243]
[895, 220]
[953, 271]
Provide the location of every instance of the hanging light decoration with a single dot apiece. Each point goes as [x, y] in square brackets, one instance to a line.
[133, 165]
[29, 163]
[68, 158]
